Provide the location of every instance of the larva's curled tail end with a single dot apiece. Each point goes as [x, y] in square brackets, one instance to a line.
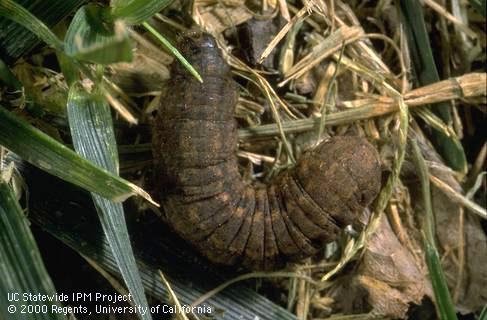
[342, 175]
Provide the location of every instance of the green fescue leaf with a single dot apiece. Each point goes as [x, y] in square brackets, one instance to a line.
[8, 78]
[69, 68]
[173, 50]
[44, 152]
[136, 11]
[15, 40]
[21, 266]
[446, 308]
[483, 314]
[449, 147]
[91, 128]
[93, 137]
[480, 6]
[19, 14]
[91, 38]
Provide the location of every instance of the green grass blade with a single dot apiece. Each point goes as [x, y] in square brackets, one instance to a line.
[16, 40]
[91, 38]
[69, 68]
[480, 6]
[483, 314]
[94, 138]
[446, 308]
[137, 11]
[173, 50]
[8, 78]
[51, 156]
[450, 148]
[91, 128]
[19, 14]
[21, 266]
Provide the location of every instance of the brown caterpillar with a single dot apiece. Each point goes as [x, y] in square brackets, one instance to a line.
[209, 204]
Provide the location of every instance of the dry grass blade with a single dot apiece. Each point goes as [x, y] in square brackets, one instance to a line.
[435, 122]
[280, 35]
[180, 314]
[467, 86]
[253, 275]
[363, 316]
[121, 109]
[476, 186]
[464, 201]
[284, 10]
[269, 93]
[333, 43]
[364, 49]
[477, 166]
[367, 63]
[256, 158]
[109, 277]
[326, 101]
[442, 11]
[261, 82]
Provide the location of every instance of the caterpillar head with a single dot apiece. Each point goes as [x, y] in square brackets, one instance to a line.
[202, 52]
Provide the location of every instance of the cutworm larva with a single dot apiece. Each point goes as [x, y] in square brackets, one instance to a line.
[227, 219]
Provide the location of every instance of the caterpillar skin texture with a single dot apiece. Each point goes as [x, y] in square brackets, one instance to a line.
[232, 221]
